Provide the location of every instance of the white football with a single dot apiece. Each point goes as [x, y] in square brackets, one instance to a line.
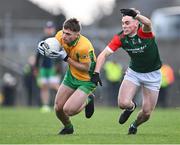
[52, 44]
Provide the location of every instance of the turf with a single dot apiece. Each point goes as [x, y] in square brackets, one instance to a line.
[30, 126]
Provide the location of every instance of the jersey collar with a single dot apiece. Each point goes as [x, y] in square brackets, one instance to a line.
[73, 43]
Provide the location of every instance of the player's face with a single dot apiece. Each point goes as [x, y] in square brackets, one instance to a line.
[129, 25]
[69, 36]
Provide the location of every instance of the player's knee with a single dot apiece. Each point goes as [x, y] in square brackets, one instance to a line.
[68, 111]
[57, 107]
[123, 104]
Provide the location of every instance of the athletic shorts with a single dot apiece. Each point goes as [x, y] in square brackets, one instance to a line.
[85, 86]
[48, 75]
[151, 80]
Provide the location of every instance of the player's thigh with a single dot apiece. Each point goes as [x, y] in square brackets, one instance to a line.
[126, 92]
[54, 82]
[75, 102]
[150, 98]
[63, 93]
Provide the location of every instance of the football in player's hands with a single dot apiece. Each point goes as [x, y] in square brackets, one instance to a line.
[52, 44]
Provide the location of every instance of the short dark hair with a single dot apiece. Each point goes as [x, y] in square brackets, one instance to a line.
[72, 24]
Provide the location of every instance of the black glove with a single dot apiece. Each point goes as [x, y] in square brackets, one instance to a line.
[129, 12]
[96, 79]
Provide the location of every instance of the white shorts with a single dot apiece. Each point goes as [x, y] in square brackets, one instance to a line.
[151, 80]
[50, 80]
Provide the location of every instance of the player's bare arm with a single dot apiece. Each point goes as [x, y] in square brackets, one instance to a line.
[101, 59]
[136, 15]
[147, 26]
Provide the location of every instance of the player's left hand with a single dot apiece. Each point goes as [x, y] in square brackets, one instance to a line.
[96, 79]
[129, 12]
[59, 54]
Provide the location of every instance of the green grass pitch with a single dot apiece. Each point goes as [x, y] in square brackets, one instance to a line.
[30, 126]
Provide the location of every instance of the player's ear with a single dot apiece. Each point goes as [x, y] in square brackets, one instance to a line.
[137, 23]
[78, 34]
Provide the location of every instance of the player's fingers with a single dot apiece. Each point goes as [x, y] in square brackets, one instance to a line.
[52, 55]
[45, 45]
[122, 10]
[41, 52]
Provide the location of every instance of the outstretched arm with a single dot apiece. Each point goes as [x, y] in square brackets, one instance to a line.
[101, 59]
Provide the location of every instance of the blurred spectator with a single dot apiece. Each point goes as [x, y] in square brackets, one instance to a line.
[167, 79]
[9, 89]
[46, 71]
[30, 82]
[178, 80]
[1, 98]
[113, 74]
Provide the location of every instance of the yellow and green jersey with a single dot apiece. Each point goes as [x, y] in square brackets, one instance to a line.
[81, 51]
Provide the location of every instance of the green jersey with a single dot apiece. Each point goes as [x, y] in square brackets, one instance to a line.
[142, 49]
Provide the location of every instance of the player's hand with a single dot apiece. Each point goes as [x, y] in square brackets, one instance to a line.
[129, 12]
[59, 54]
[96, 79]
[42, 48]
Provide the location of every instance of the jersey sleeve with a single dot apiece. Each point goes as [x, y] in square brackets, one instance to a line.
[145, 34]
[115, 43]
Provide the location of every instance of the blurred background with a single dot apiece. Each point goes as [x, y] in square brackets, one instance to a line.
[21, 28]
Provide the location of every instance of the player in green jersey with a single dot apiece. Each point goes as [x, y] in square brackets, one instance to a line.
[138, 40]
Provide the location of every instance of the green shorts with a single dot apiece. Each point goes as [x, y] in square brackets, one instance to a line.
[47, 72]
[70, 81]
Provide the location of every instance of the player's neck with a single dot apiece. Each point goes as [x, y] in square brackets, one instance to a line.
[132, 34]
[73, 43]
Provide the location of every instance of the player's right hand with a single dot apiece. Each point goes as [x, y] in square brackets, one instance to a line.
[96, 79]
[62, 55]
[129, 12]
[43, 50]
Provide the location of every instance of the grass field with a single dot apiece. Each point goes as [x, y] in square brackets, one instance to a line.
[30, 126]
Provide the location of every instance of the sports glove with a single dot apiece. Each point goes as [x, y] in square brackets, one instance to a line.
[58, 54]
[96, 79]
[42, 48]
[129, 12]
